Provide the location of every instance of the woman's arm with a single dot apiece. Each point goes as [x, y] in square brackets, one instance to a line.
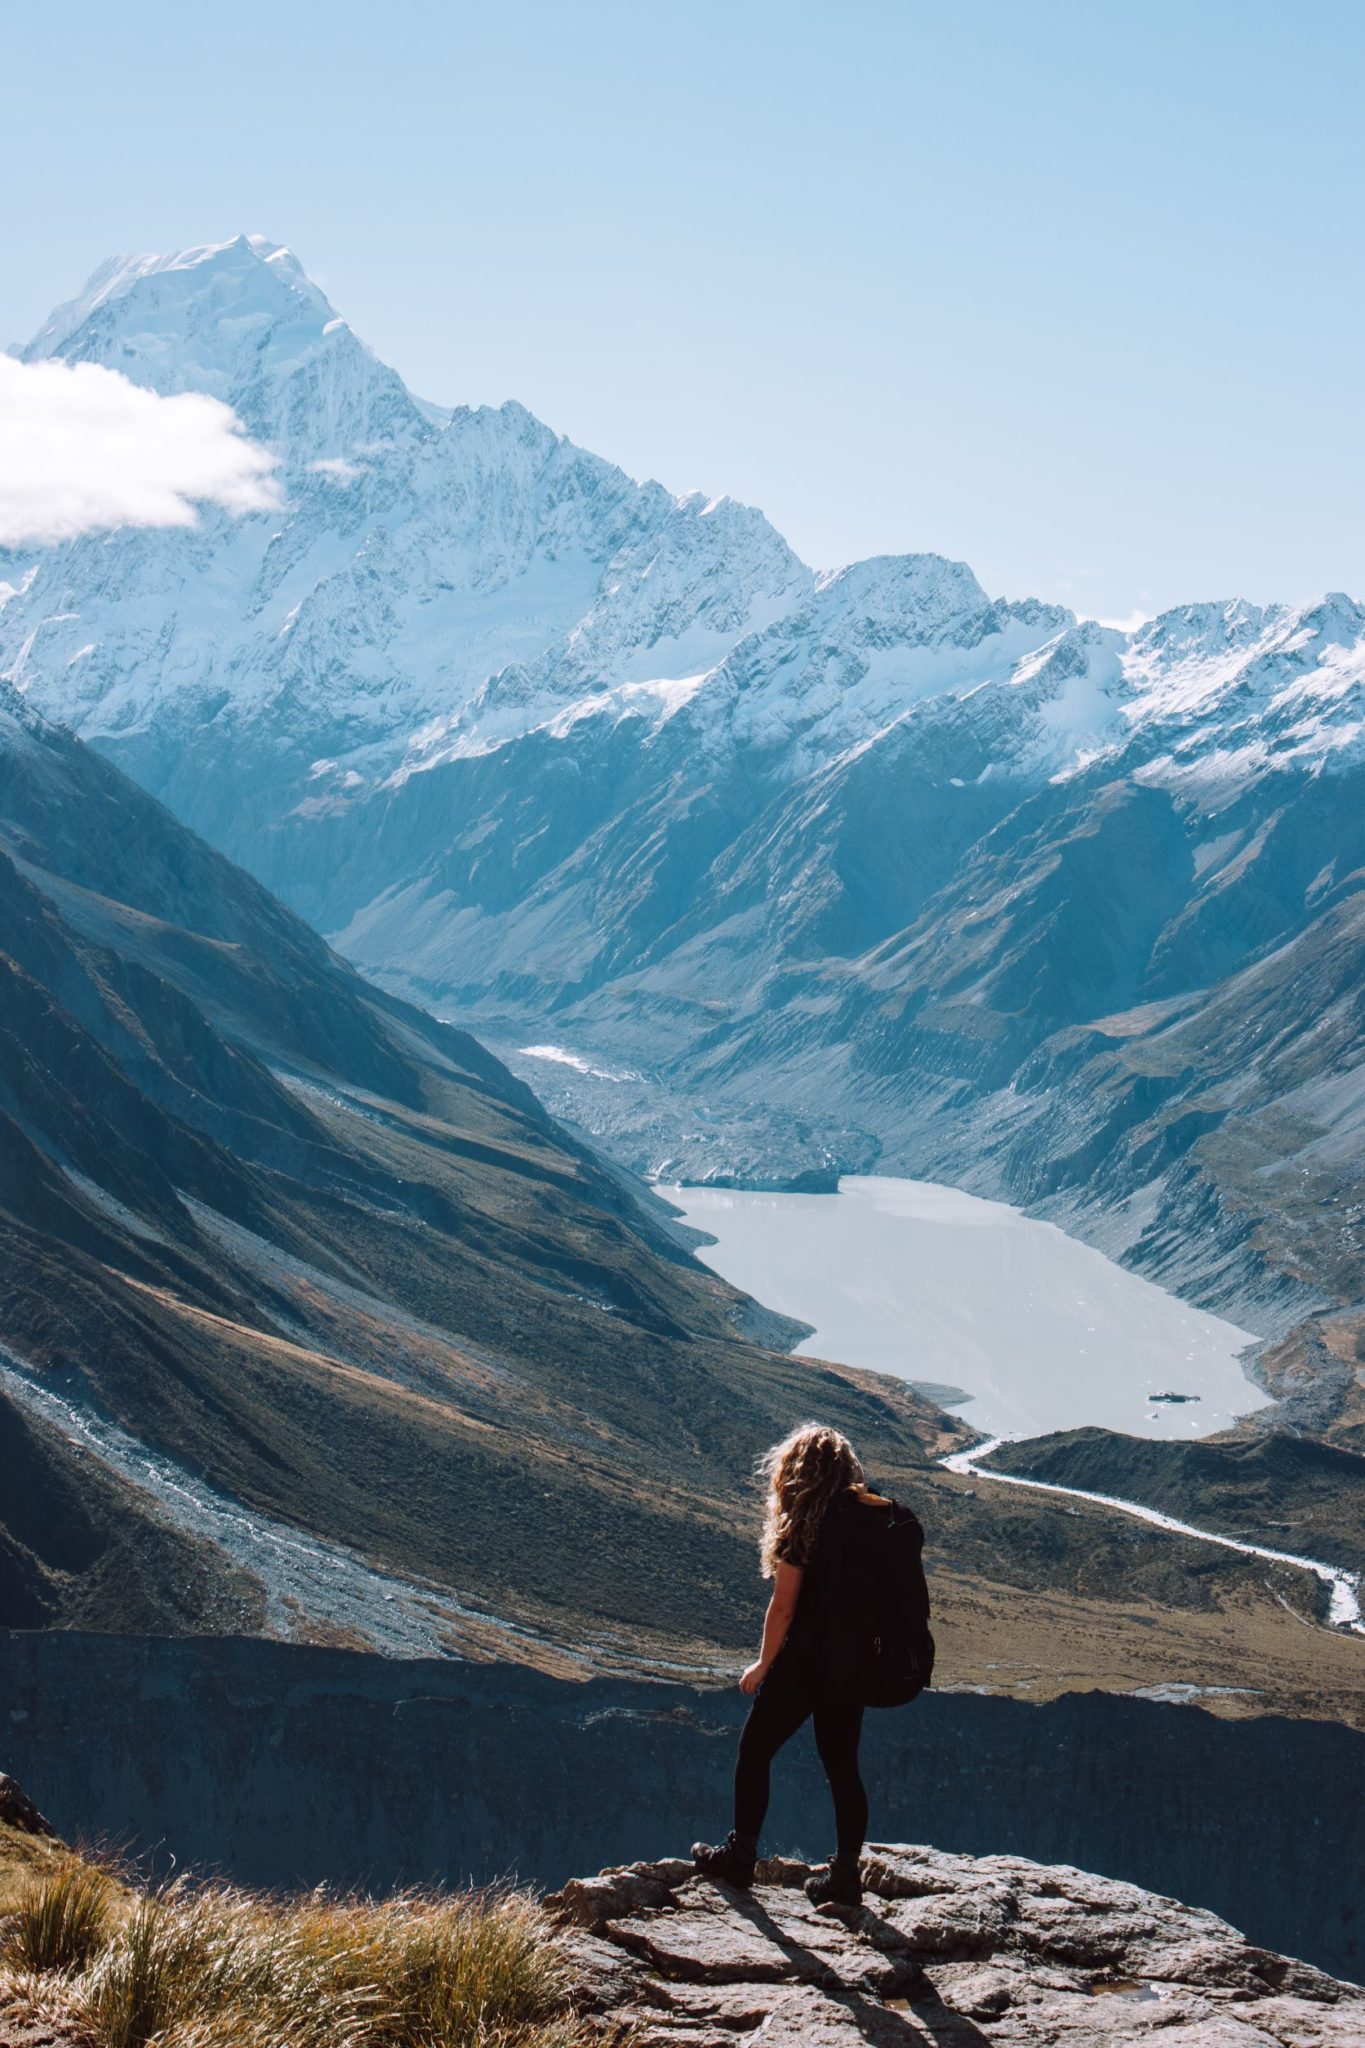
[776, 1622]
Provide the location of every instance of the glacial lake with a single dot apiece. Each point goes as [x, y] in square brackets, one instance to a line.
[1037, 1331]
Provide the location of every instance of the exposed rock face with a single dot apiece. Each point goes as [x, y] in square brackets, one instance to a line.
[17, 2033]
[946, 1949]
[18, 1811]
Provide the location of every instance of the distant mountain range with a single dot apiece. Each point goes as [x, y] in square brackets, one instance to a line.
[802, 871]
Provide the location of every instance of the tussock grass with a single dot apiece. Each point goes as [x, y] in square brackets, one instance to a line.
[208, 1966]
[60, 1922]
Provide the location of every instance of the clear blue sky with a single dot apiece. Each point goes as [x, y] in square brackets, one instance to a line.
[1075, 291]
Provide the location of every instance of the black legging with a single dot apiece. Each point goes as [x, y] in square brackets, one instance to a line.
[786, 1698]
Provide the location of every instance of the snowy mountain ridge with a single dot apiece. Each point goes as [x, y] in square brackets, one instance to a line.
[242, 321]
[421, 553]
[448, 580]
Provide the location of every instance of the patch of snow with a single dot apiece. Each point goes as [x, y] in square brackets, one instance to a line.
[560, 1056]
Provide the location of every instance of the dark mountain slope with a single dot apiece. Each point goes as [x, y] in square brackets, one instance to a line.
[326, 1257]
[1248, 1095]
[79, 1550]
[1108, 1005]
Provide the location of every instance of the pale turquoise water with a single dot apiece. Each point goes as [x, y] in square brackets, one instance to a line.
[930, 1284]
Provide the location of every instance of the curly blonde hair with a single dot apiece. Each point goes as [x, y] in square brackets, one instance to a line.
[804, 1473]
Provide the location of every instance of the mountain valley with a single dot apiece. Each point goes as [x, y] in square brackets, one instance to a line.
[327, 1255]
[758, 875]
[318, 1324]
[806, 873]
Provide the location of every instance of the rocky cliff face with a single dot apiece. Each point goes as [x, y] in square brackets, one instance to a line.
[953, 1950]
[286, 1766]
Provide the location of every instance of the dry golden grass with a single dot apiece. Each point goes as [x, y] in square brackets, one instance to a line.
[208, 1966]
[23, 1859]
[61, 1922]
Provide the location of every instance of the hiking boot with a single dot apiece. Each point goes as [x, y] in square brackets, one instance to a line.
[728, 1862]
[838, 1883]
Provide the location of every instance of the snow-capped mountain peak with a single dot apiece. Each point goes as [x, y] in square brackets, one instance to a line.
[1219, 693]
[921, 590]
[242, 321]
[227, 281]
[422, 553]
[867, 644]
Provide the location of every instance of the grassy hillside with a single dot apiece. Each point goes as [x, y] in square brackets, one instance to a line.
[1289, 1493]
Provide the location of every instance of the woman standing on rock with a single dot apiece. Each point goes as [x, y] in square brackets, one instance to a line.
[847, 1627]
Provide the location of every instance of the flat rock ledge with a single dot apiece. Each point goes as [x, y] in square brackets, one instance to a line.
[958, 1950]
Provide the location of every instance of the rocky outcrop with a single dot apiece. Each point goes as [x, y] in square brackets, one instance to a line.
[18, 1811]
[955, 1950]
[1317, 1376]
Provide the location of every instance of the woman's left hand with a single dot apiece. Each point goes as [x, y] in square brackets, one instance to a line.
[753, 1678]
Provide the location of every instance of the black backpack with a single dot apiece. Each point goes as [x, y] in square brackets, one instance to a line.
[876, 1647]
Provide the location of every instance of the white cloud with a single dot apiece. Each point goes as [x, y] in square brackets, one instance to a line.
[1129, 623]
[337, 468]
[82, 448]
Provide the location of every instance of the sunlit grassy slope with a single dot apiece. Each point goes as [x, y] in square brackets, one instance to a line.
[87, 1959]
